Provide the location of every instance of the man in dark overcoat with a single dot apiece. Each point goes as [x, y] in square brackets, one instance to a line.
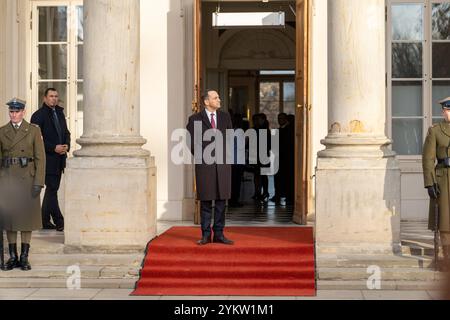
[22, 176]
[213, 179]
[52, 121]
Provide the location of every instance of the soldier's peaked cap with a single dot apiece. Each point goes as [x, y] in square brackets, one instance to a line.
[445, 103]
[16, 104]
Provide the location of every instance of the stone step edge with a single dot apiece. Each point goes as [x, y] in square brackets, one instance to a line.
[385, 285]
[32, 283]
[130, 284]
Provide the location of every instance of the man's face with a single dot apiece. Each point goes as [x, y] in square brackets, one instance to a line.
[16, 116]
[213, 102]
[446, 114]
[51, 99]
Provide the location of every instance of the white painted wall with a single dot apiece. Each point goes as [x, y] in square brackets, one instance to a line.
[16, 68]
[162, 96]
[3, 75]
[319, 78]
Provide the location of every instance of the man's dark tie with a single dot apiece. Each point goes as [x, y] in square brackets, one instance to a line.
[57, 126]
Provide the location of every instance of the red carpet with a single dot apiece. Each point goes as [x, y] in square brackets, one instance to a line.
[264, 261]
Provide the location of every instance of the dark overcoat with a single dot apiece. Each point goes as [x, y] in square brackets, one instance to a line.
[43, 117]
[21, 212]
[213, 181]
[437, 146]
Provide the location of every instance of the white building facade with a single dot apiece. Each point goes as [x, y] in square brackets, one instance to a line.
[375, 70]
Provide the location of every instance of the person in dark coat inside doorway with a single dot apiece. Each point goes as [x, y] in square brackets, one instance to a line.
[52, 121]
[213, 180]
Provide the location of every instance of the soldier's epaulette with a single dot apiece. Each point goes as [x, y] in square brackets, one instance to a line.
[34, 125]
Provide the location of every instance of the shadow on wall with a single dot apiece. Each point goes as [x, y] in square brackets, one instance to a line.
[392, 196]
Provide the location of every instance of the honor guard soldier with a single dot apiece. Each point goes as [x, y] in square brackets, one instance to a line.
[436, 172]
[22, 176]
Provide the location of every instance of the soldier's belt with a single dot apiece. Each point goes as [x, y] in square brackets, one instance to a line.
[6, 162]
[445, 162]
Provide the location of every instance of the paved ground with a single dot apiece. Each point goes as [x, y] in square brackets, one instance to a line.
[124, 294]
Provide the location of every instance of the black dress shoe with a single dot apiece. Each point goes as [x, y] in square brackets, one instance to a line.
[49, 227]
[60, 228]
[203, 241]
[223, 240]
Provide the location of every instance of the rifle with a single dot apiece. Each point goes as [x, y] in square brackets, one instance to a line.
[2, 254]
[436, 227]
[436, 234]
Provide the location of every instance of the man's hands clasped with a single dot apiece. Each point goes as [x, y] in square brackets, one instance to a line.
[62, 149]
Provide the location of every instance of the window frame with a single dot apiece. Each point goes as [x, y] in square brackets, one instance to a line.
[427, 79]
[281, 80]
[390, 80]
[71, 105]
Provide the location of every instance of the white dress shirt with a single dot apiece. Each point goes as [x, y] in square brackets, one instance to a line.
[215, 116]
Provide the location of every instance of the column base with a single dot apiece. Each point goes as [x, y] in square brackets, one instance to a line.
[112, 147]
[357, 201]
[110, 204]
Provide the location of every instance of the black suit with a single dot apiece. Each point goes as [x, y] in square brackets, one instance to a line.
[55, 163]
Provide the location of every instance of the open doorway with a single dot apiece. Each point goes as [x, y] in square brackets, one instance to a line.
[261, 72]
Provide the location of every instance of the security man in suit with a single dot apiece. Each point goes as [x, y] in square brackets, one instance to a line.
[436, 173]
[21, 181]
[52, 121]
[213, 180]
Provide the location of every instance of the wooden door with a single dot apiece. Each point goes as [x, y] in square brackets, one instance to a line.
[303, 115]
[197, 83]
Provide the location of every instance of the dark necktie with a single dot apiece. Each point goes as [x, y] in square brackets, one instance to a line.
[213, 122]
[57, 126]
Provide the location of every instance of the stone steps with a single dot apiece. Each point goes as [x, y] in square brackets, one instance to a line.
[22, 283]
[383, 261]
[411, 268]
[92, 277]
[130, 260]
[389, 274]
[61, 272]
[385, 285]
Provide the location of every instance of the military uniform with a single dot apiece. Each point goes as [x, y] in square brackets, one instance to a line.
[22, 176]
[437, 146]
[436, 175]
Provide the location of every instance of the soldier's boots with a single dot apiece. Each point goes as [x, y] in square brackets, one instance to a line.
[13, 261]
[24, 263]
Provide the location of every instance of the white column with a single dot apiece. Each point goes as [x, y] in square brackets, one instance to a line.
[111, 181]
[3, 78]
[358, 178]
